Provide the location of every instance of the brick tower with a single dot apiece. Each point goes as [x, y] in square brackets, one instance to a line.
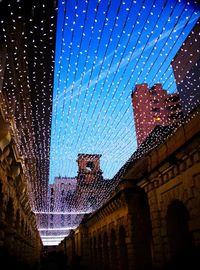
[89, 180]
[153, 107]
[88, 168]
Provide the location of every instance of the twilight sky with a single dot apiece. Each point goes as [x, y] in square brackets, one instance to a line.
[104, 48]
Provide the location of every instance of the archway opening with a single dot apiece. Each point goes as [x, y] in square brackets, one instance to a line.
[141, 230]
[123, 249]
[113, 251]
[179, 237]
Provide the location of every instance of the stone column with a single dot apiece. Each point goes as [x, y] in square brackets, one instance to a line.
[115, 254]
[84, 245]
[129, 242]
[106, 251]
[157, 245]
[10, 244]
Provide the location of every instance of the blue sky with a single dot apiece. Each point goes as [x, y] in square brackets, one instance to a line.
[104, 48]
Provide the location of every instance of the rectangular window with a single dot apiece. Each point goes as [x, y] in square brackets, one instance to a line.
[153, 92]
[155, 109]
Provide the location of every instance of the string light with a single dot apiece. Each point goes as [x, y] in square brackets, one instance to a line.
[103, 49]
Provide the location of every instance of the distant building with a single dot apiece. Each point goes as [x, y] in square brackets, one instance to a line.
[153, 107]
[91, 187]
[70, 198]
[62, 187]
[88, 168]
[186, 67]
[65, 183]
[60, 202]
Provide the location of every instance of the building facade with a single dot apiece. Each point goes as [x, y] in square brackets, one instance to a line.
[25, 80]
[153, 107]
[20, 242]
[186, 67]
[152, 220]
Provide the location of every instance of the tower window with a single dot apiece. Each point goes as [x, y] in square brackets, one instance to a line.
[90, 165]
[153, 92]
[155, 109]
[155, 101]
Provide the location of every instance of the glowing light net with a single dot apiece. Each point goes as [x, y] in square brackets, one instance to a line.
[103, 49]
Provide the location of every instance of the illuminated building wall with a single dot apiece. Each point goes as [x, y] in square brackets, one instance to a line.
[60, 194]
[59, 218]
[186, 66]
[153, 107]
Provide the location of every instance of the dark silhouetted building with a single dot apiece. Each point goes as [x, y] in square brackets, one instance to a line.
[186, 66]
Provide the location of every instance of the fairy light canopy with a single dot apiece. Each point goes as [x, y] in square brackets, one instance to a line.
[77, 97]
[104, 48]
[27, 64]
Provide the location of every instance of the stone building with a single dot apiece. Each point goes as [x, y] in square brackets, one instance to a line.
[23, 172]
[20, 242]
[26, 79]
[70, 198]
[152, 220]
